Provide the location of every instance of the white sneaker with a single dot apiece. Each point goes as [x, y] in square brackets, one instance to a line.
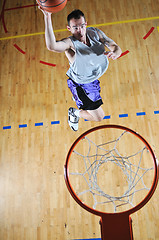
[73, 119]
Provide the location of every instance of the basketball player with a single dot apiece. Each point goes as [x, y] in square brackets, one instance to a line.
[85, 50]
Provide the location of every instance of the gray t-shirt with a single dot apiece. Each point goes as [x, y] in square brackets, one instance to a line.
[90, 62]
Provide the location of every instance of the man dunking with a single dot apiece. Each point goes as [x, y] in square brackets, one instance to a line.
[85, 50]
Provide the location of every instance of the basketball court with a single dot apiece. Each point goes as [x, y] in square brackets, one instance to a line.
[35, 137]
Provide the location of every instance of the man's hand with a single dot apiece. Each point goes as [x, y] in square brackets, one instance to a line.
[111, 54]
[43, 11]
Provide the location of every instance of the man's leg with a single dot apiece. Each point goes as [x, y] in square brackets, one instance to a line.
[92, 115]
[86, 96]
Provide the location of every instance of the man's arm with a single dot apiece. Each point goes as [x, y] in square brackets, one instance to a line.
[51, 43]
[115, 50]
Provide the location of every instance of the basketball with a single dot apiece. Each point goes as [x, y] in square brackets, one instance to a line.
[52, 6]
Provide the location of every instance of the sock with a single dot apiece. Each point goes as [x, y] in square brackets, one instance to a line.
[77, 112]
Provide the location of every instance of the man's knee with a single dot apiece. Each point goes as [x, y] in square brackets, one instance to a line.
[99, 118]
[97, 115]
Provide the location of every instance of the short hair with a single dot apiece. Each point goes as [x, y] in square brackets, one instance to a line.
[76, 14]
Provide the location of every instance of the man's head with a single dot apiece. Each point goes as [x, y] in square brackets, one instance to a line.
[76, 14]
[77, 24]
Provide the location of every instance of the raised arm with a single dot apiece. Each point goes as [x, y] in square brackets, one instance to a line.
[115, 50]
[51, 43]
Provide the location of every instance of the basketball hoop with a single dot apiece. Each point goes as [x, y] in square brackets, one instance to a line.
[119, 152]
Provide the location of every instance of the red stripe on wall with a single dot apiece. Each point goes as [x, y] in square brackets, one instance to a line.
[2, 16]
[49, 64]
[14, 8]
[19, 49]
[148, 34]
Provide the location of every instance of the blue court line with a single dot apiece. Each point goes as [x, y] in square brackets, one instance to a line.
[38, 124]
[6, 127]
[140, 114]
[55, 122]
[123, 115]
[88, 239]
[58, 122]
[107, 117]
[156, 112]
[22, 125]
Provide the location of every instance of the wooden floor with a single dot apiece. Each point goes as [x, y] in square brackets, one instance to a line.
[34, 98]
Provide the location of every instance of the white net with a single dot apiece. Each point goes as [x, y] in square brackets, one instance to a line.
[111, 170]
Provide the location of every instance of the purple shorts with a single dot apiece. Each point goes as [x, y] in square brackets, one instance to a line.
[87, 96]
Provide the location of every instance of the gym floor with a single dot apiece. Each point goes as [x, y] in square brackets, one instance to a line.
[34, 134]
